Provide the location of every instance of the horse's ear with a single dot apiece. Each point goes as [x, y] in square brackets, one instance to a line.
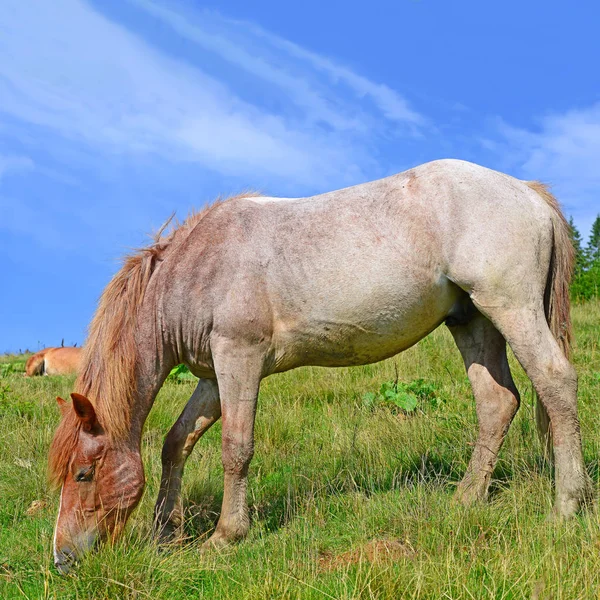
[63, 405]
[85, 411]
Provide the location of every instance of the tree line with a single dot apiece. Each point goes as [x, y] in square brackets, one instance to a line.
[586, 278]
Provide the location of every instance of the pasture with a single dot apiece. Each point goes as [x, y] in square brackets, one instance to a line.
[350, 497]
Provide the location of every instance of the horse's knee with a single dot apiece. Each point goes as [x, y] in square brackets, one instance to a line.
[565, 374]
[172, 449]
[558, 389]
[236, 455]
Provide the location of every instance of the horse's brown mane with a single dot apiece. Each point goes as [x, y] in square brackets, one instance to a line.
[107, 375]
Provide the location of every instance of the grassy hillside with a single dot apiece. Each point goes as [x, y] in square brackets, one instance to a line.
[350, 498]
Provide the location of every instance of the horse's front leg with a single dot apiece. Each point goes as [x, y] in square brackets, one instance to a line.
[202, 410]
[239, 373]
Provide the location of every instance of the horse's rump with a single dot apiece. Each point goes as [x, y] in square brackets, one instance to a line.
[54, 361]
[35, 363]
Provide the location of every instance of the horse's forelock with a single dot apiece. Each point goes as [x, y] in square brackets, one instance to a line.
[63, 447]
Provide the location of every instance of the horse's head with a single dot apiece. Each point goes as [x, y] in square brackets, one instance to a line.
[101, 482]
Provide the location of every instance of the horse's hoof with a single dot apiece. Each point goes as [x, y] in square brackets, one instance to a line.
[565, 509]
[216, 542]
[468, 494]
[168, 534]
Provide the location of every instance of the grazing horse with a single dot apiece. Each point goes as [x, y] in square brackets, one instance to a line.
[54, 361]
[253, 286]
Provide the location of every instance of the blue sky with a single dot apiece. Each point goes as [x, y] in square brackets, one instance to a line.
[114, 114]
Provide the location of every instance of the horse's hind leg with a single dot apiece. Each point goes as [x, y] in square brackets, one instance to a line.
[202, 410]
[555, 381]
[484, 352]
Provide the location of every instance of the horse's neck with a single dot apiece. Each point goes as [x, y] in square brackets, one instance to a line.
[143, 399]
[124, 405]
[154, 363]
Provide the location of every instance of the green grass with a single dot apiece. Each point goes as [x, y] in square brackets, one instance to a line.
[332, 476]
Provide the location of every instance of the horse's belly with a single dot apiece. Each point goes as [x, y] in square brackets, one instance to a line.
[365, 331]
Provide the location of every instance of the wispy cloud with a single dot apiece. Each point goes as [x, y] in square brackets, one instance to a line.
[72, 72]
[563, 150]
[12, 163]
[393, 105]
[259, 52]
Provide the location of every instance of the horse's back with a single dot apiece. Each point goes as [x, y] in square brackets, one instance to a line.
[62, 361]
[359, 274]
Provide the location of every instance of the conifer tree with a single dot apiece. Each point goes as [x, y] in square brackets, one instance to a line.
[586, 280]
[576, 241]
[593, 247]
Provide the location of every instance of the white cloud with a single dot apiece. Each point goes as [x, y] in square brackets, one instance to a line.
[259, 52]
[390, 103]
[564, 151]
[566, 146]
[70, 71]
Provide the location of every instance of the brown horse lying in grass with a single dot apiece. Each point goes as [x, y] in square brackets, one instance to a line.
[254, 286]
[54, 361]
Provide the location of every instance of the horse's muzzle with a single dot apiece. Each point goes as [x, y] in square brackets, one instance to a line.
[64, 560]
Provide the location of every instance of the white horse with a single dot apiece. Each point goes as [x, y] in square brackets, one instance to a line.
[254, 286]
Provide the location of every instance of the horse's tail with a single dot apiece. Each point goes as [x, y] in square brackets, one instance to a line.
[35, 363]
[557, 301]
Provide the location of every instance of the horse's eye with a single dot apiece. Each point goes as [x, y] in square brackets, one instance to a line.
[85, 474]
